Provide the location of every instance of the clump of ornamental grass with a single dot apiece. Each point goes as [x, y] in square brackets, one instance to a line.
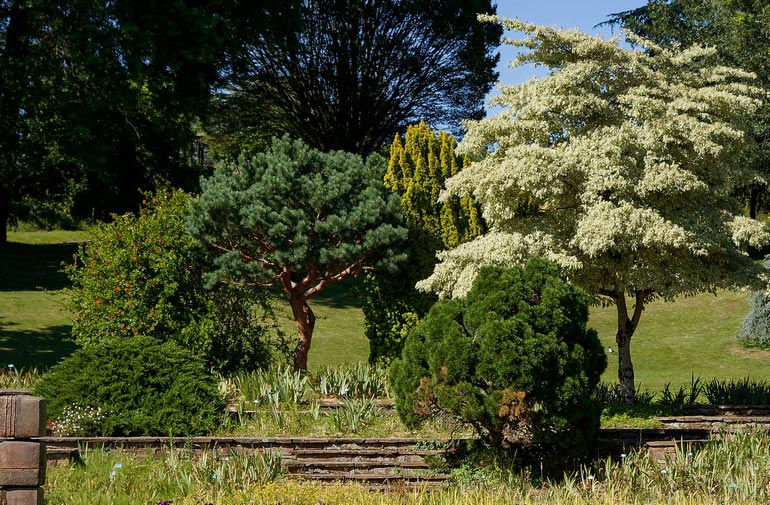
[731, 468]
[745, 391]
[357, 381]
[116, 478]
[18, 378]
[280, 401]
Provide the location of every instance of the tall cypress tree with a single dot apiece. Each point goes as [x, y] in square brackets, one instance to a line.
[419, 164]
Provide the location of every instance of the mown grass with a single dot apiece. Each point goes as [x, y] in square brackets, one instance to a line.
[338, 338]
[33, 323]
[693, 336]
[674, 341]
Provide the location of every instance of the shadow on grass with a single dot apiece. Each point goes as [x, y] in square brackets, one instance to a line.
[34, 349]
[29, 267]
[345, 294]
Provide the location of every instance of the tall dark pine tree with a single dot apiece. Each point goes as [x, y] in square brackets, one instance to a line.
[351, 74]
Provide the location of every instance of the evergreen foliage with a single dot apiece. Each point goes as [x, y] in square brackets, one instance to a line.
[755, 328]
[143, 275]
[514, 359]
[419, 164]
[620, 166]
[298, 218]
[141, 385]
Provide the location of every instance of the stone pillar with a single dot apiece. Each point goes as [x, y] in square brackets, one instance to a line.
[22, 455]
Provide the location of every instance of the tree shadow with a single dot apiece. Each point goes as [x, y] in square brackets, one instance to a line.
[34, 349]
[346, 294]
[30, 267]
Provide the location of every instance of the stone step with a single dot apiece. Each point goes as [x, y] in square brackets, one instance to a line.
[380, 481]
[374, 467]
[393, 453]
[713, 423]
[64, 454]
[281, 443]
[728, 410]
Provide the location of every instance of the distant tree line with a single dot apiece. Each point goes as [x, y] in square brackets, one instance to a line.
[103, 101]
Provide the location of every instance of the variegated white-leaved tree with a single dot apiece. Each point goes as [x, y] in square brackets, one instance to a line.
[618, 166]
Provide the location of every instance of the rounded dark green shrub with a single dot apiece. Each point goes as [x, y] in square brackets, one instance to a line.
[141, 385]
[514, 359]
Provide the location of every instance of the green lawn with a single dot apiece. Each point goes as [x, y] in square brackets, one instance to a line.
[33, 324]
[339, 332]
[694, 336]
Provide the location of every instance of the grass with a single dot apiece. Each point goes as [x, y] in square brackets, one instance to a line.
[733, 469]
[123, 478]
[694, 336]
[674, 341]
[338, 338]
[33, 324]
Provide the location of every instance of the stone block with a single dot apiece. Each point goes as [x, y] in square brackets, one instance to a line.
[22, 464]
[21, 415]
[23, 496]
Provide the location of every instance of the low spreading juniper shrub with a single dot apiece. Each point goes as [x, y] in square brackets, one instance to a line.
[141, 385]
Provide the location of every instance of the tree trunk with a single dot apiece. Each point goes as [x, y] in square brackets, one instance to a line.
[626, 327]
[305, 320]
[754, 196]
[4, 215]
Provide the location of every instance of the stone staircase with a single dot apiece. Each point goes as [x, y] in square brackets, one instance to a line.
[406, 462]
[375, 462]
[386, 462]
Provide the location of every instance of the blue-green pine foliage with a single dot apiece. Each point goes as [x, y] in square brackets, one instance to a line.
[297, 214]
[755, 328]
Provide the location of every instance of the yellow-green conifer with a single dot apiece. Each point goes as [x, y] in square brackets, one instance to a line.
[419, 164]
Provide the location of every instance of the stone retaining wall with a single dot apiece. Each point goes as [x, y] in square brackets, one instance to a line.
[22, 454]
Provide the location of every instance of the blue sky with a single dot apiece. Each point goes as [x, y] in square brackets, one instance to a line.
[582, 14]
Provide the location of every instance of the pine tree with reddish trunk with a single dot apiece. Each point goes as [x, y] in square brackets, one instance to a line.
[297, 218]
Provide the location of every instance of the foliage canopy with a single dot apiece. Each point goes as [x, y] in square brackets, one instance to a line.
[350, 75]
[143, 275]
[298, 218]
[99, 99]
[739, 31]
[619, 166]
[514, 359]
